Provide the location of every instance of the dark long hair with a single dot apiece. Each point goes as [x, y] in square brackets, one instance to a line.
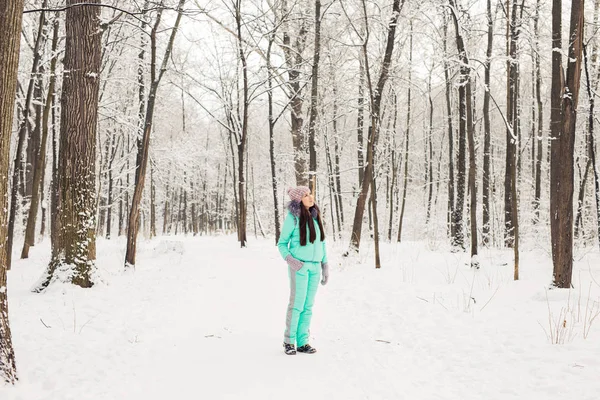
[306, 219]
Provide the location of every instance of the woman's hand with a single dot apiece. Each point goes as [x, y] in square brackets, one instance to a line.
[324, 273]
[294, 264]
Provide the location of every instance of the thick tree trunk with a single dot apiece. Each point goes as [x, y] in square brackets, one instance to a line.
[41, 155]
[294, 60]
[563, 145]
[11, 13]
[74, 250]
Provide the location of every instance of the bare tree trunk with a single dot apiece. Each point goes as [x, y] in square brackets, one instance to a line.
[563, 145]
[336, 165]
[314, 101]
[361, 122]
[457, 218]
[407, 138]
[430, 152]
[243, 139]
[540, 116]
[74, 250]
[331, 182]
[466, 123]
[41, 156]
[272, 139]
[113, 153]
[511, 129]
[152, 204]
[376, 96]
[450, 213]
[394, 168]
[142, 162]
[487, 140]
[294, 61]
[11, 13]
[21, 139]
[591, 143]
[581, 199]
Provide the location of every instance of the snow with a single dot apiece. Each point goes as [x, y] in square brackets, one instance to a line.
[200, 318]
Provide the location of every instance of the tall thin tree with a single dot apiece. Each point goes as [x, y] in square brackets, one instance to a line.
[144, 150]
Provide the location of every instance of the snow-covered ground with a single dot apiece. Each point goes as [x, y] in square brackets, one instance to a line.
[202, 319]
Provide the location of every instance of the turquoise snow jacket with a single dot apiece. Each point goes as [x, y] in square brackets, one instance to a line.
[289, 241]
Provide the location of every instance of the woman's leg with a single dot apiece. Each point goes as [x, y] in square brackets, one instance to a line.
[298, 294]
[314, 277]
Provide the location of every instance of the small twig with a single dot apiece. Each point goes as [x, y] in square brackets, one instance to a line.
[42, 321]
[382, 341]
[490, 299]
[425, 300]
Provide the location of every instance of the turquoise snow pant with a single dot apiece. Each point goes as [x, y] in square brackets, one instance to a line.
[303, 288]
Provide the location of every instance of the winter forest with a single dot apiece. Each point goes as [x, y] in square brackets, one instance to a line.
[147, 148]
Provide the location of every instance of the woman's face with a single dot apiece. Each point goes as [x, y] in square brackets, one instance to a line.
[308, 200]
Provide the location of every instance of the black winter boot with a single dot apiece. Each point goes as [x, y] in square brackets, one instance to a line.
[289, 349]
[307, 348]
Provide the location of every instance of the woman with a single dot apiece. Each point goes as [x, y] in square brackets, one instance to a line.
[302, 245]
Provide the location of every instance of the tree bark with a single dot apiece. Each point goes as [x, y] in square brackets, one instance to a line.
[272, 140]
[394, 171]
[74, 250]
[466, 128]
[243, 139]
[563, 145]
[360, 123]
[294, 60]
[430, 153]
[314, 101]
[11, 13]
[376, 96]
[591, 143]
[487, 139]
[457, 218]
[21, 140]
[407, 135]
[143, 152]
[540, 116]
[41, 155]
[451, 198]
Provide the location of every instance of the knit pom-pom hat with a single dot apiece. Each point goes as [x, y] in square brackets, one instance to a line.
[297, 193]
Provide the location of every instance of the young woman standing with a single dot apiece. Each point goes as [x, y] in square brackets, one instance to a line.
[302, 245]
